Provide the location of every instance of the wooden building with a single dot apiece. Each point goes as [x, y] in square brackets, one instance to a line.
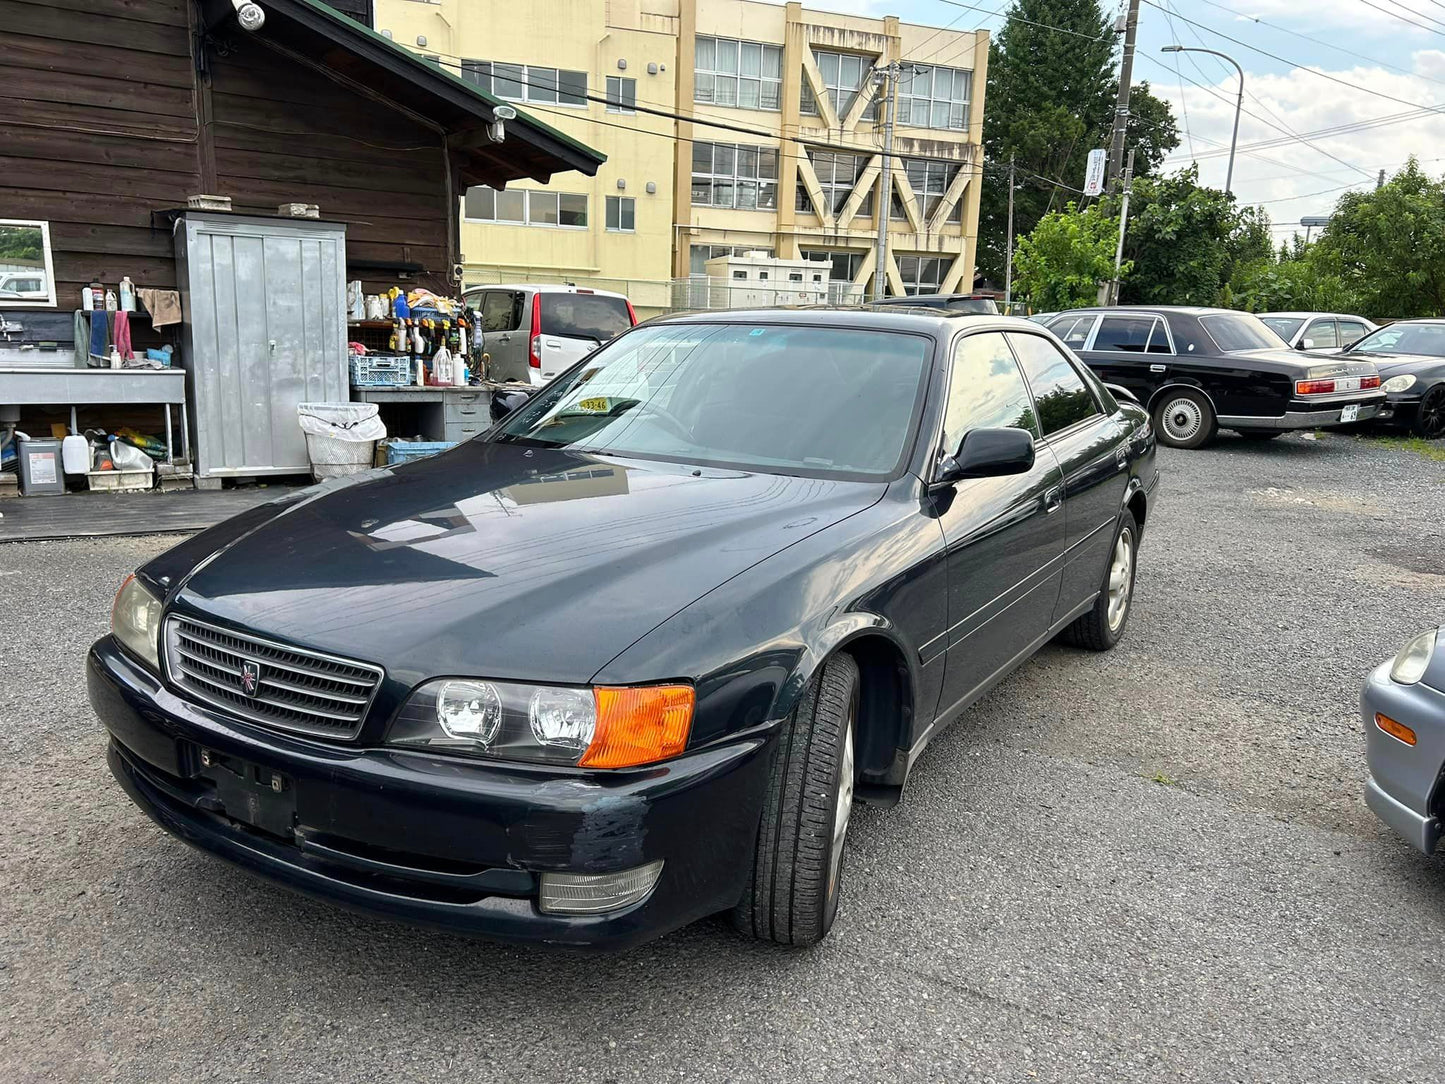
[117, 111]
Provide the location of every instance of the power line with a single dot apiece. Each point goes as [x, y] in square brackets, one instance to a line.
[1402, 18]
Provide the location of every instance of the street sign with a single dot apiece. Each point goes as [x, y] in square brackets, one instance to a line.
[1094, 175]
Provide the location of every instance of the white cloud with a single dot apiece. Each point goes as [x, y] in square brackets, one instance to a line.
[1292, 176]
[1352, 14]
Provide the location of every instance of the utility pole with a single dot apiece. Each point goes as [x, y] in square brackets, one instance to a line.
[888, 76]
[1008, 256]
[1123, 224]
[1380, 181]
[1121, 108]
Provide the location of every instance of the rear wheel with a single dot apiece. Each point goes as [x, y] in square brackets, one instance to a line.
[792, 895]
[1184, 419]
[1103, 626]
[1260, 434]
[1430, 417]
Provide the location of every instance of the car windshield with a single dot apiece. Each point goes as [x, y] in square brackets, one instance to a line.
[1236, 331]
[583, 316]
[830, 402]
[1426, 339]
[1283, 326]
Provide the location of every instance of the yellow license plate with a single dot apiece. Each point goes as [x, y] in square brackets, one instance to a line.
[596, 405]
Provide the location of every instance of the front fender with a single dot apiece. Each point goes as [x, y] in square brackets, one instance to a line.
[836, 635]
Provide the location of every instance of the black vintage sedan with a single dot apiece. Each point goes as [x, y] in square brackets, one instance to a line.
[1199, 370]
[627, 658]
[1410, 356]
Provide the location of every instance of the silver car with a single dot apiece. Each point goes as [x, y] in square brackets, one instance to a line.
[1321, 332]
[1403, 711]
[532, 331]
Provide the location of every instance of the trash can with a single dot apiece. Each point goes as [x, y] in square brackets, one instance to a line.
[340, 437]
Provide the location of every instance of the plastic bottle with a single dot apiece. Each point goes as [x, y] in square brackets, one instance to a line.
[110, 301]
[97, 296]
[87, 299]
[75, 454]
[127, 295]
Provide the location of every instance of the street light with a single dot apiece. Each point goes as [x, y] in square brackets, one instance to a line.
[1238, 102]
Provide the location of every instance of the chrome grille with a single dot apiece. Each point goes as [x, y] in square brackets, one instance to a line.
[297, 690]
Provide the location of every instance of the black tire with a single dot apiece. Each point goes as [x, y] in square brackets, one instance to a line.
[1429, 420]
[792, 895]
[1260, 434]
[1094, 629]
[1184, 419]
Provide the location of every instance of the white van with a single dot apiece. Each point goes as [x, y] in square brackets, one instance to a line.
[533, 331]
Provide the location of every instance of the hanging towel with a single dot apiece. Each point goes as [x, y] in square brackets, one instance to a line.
[163, 305]
[81, 339]
[98, 336]
[122, 335]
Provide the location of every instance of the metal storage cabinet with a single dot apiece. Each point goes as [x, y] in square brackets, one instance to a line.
[264, 301]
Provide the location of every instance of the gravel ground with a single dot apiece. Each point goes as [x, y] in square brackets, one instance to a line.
[1148, 865]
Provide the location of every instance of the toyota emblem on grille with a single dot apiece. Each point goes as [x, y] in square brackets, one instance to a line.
[250, 677]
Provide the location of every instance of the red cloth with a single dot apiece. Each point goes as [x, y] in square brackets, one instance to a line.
[122, 335]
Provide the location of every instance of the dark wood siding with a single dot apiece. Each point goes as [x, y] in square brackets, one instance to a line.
[98, 130]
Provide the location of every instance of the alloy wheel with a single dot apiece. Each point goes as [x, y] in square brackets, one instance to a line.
[1121, 579]
[1431, 419]
[843, 811]
[1182, 419]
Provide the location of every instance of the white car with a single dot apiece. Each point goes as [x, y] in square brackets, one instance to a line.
[532, 331]
[1321, 332]
[24, 285]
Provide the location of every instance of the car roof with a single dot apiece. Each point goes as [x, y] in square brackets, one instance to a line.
[544, 288]
[1189, 310]
[937, 322]
[935, 297]
[1304, 315]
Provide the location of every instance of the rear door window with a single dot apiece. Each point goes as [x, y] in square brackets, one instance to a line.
[1061, 396]
[1351, 332]
[1126, 333]
[1074, 329]
[584, 316]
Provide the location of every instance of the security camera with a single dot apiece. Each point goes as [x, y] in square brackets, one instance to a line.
[249, 14]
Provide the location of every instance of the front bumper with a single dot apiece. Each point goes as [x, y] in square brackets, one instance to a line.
[1403, 788]
[436, 840]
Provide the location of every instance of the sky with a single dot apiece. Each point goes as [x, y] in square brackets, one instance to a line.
[1379, 63]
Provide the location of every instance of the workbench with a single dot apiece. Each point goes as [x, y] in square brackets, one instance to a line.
[65, 386]
[435, 413]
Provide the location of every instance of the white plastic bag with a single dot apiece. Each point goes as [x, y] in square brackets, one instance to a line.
[340, 437]
[128, 457]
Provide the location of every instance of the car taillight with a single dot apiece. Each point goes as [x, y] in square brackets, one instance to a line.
[1344, 383]
[1368, 382]
[1314, 387]
[631, 312]
[534, 348]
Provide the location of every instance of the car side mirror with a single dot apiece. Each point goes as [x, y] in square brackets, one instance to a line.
[988, 453]
[1306, 344]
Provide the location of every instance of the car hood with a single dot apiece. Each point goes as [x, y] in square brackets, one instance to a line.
[502, 560]
[1394, 364]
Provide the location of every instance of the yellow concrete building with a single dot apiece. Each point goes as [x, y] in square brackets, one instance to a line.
[799, 180]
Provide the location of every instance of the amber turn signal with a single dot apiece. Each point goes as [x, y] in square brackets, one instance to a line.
[1396, 730]
[639, 725]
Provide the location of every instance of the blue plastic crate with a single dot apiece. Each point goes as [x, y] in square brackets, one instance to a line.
[404, 451]
[380, 371]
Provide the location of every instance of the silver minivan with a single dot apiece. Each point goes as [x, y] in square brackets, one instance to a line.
[533, 331]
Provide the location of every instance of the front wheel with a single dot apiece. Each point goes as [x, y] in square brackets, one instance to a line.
[1103, 626]
[1184, 419]
[792, 895]
[1429, 420]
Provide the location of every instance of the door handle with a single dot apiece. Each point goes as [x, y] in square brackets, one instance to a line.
[504, 338]
[1121, 456]
[1157, 368]
[1053, 499]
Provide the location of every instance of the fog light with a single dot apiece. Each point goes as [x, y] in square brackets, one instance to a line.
[596, 893]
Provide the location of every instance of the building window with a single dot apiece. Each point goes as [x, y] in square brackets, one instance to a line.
[698, 255]
[929, 179]
[844, 75]
[621, 213]
[842, 266]
[527, 82]
[922, 274]
[838, 175]
[515, 206]
[733, 175]
[621, 94]
[930, 97]
[741, 73]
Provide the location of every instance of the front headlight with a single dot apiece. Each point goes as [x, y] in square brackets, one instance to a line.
[135, 620]
[1403, 382]
[1414, 659]
[601, 727]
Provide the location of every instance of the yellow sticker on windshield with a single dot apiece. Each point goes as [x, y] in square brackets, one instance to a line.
[595, 405]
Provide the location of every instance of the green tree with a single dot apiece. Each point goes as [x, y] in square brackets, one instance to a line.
[1050, 100]
[1389, 244]
[1061, 263]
